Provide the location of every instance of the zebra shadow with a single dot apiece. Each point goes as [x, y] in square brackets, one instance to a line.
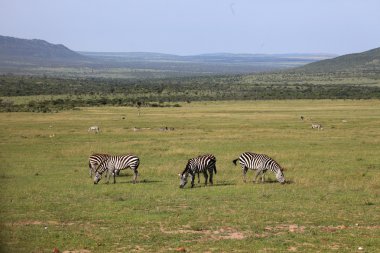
[273, 181]
[144, 181]
[218, 184]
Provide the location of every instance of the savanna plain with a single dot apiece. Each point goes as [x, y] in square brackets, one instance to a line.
[330, 202]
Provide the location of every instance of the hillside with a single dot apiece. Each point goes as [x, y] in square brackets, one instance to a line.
[365, 61]
[38, 57]
[24, 52]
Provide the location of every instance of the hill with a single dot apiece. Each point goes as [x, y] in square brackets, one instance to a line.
[38, 57]
[24, 52]
[366, 61]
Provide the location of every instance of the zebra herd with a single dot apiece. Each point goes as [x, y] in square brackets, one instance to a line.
[205, 164]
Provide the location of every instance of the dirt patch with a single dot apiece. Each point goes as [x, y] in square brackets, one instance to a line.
[333, 228]
[77, 251]
[343, 227]
[280, 229]
[224, 233]
[39, 223]
[294, 228]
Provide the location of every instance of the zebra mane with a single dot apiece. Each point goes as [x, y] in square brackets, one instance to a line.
[278, 165]
[186, 168]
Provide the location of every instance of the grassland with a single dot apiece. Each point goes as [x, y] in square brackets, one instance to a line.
[331, 202]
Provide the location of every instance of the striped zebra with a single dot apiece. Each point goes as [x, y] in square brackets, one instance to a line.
[317, 126]
[95, 129]
[113, 164]
[94, 160]
[261, 163]
[200, 164]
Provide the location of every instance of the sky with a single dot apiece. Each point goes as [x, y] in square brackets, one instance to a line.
[187, 27]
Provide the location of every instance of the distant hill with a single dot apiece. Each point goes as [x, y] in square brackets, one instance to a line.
[365, 61]
[285, 59]
[14, 51]
[204, 64]
[38, 57]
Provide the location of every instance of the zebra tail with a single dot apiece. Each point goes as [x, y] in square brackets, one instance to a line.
[234, 161]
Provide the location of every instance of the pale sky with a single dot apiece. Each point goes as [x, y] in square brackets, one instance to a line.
[188, 27]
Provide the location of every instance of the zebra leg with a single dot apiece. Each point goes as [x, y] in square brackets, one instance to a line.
[245, 169]
[91, 168]
[206, 177]
[135, 175]
[114, 176]
[257, 174]
[192, 180]
[211, 181]
[263, 177]
[107, 176]
[199, 180]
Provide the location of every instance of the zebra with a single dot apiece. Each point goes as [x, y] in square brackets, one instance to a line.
[261, 163]
[317, 126]
[94, 160]
[95, 129]
[113, 164]
[200, 164]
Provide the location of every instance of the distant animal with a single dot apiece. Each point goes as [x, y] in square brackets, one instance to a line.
[166, 128]
[302, 118]
[317, 126]
[200, 164]
[260, 162]
[94, 160]
[95, 129]
[113, 164]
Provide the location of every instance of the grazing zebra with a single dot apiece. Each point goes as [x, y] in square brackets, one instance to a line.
[261, 163]
[317, 126]
[95, 129]
[200, 164]
[113, 164]
[94, 160]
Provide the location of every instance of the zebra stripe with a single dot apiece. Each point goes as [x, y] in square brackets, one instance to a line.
[113, 164]
[317, 126]
[94, 160]
[261, 163]
[96, 129]
[200, 164]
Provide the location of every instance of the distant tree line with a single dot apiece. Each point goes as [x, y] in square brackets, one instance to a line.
[81, 92]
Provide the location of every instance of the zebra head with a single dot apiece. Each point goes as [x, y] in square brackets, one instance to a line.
[97, 177]
[183, 180]
[280, 176]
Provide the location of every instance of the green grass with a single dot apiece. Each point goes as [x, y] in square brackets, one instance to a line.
[331, 202]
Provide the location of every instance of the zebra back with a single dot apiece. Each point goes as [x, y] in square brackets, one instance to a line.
[196, 165]
[119, 162]
[200, 164]
[114, 164]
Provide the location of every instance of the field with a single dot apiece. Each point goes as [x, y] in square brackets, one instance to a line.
[330, 201]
